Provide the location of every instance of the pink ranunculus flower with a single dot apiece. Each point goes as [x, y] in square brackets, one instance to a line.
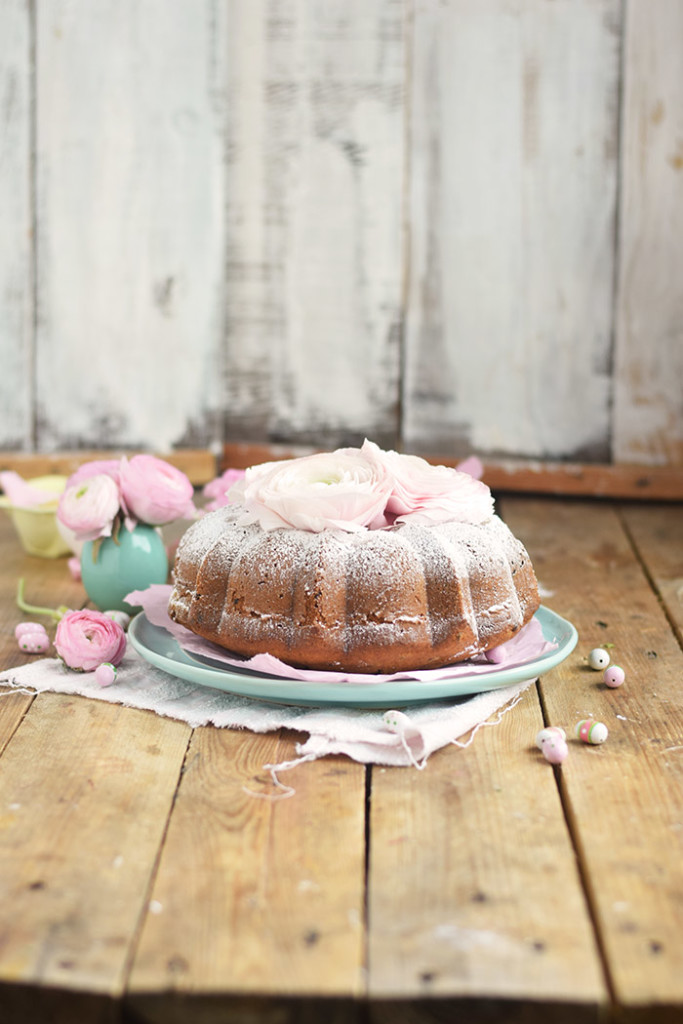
[110, 467]
[85, 639]
[154, 492]
[218, 489]
[342, 489]
[88, 508]
[425, 493]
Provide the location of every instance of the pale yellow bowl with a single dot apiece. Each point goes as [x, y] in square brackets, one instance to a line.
[37, 527]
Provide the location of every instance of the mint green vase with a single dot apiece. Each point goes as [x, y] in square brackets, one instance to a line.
[136, 559]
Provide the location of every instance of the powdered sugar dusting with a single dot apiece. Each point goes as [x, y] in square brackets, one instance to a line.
[367, 599]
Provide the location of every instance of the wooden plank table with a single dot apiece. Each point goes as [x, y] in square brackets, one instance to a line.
[142, 880]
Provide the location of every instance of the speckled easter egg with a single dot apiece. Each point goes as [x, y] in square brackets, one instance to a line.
[590, 731]
[555, 750]
[614, 676]
[551, 732]
[598, 659]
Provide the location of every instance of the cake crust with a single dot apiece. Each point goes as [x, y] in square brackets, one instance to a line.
[411, 596]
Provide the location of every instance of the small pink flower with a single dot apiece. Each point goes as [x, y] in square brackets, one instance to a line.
[154, 492]
[88, 507]
[218, 489]
[84, 639]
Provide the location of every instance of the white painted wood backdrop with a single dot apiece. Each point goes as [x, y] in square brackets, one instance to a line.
[450, 225]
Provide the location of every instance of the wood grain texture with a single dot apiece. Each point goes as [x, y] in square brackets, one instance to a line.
[649, 326]
[658, 538]
[16, 213]
[308, 222]
[598, 480]
[456, 924]
[474, 904]
[199, 464]
[130, 109]
[624, 799]
[513, 156]
[314, 186]
[254, 895]
[48, 584]
[87, 788]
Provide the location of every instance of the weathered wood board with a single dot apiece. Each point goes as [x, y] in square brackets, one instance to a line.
[447, 226]
[198, 464]
[93, 820]
[649, 324]
[513, 173]
[658, 537]
[48, 577]
[16, 226]
[452, 926]
[314, 223]
[250, 892]
[663, 483]
[130, 194]
[88, 790]
[624, 799]
[162, 878]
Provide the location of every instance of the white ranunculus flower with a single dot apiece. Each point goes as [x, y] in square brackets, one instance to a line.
[423, 493]
[343, 489]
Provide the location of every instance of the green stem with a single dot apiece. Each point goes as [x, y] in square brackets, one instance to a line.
[32, 609]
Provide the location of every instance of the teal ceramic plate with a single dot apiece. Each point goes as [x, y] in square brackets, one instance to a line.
[161, 649]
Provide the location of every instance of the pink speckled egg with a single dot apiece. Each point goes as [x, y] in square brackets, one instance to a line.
[552, 732]
[105, 674]
[35, 642]
[614, 676]
[590, 731]
[29, 627]
[555, 750]
[399, 723]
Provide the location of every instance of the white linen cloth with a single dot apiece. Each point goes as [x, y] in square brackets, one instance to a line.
[366, 736]
[362, 735]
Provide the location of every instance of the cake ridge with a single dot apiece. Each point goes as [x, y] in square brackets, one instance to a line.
[407, 596]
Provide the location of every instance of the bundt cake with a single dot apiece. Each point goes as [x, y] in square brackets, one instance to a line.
[403, 590]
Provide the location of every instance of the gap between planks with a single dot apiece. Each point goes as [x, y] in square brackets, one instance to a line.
[657, 542]
[147, 902]
[266, 895]
[477, 849]
[580, 865]
[623, 800]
